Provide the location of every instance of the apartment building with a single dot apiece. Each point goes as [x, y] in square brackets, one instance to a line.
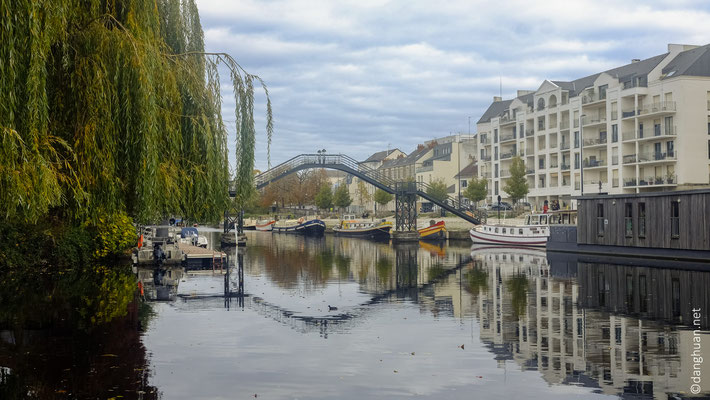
[640, 127]
[448, 157]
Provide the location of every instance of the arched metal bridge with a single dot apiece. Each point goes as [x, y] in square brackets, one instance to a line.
[374, 177]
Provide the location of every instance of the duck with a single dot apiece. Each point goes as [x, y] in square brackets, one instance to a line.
[331, 308]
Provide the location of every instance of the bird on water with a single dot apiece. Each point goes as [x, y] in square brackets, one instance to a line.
[331, 308]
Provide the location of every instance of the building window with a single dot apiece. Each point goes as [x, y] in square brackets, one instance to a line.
[640, 130]
[602, 91]
[576, 160]
[464, 183]
[576, 139]
[541, 123]
[642, 219]
[670, 147]
[600, 219]
[628, 220]
[495, 135]
[614, 133]
[496, 188]
[496, 167]
[643, 294]
[675, 219]
[496, 152]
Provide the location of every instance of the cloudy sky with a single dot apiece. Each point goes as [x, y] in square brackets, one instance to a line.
[355, 77]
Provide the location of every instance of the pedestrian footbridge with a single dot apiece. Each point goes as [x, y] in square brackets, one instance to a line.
[404, 191]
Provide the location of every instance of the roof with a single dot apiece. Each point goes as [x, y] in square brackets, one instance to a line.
[697, 63]
[495, 109]
[469, 170]
[380, 155]
[694, 62]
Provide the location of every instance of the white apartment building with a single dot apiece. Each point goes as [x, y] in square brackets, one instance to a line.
[645, 126]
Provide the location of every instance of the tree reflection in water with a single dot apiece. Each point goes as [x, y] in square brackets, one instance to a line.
[72, 333]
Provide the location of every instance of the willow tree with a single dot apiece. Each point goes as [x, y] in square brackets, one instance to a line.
[115, 107]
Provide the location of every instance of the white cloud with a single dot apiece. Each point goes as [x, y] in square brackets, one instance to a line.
[355, 75]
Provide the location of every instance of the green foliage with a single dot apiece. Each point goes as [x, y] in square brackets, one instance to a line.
[341, 198]
[112, 107]
[324, 198]
[517, 185]
[114, 235]
[476, 190]
[476, 280]
[362, 193]
[382, 197]
[437, 190]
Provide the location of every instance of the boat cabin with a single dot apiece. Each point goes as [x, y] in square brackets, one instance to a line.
[566, 217]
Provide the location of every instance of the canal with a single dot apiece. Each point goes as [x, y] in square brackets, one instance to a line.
[351, 319]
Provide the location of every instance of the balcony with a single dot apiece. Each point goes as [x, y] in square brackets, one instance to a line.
[554, 165]
[564, 124]
[564, 146]
[628, 136]
[507, 155]
[595, 142]
[553, 145]
[630, 182]
[505, 173]
[486, 175]
[485, 140]
[589, 164]
[486, 157]
[591, 121]
[614, 115]
[591, 98]
[629, 159]
[529, 132]
[658, 180]
[657, 108]
[669, 131]
[426, 168]
[628, 114]
[615, 182]
[506, 119]
[507, 138]
[614, 160]
[656, 156]
[530, 171]
[564, 167]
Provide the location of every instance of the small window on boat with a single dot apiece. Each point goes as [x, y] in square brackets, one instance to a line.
[520, 231]
[543, 220]
[504, 230]
[527, 220]
[534, 220]
[496, 230]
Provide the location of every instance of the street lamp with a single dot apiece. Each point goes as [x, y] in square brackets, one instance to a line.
[581, 157]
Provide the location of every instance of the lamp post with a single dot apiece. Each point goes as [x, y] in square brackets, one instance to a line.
[581, 157]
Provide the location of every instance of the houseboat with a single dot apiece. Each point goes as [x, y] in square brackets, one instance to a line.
[534, 232]
[265, 225]
[311, 227]
[435, 231]
[371, 230]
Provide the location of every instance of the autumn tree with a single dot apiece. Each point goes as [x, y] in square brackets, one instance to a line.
[363, 193]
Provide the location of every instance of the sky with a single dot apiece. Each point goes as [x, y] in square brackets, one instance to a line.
[356, 77]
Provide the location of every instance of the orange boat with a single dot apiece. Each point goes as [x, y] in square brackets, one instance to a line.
[435, 231]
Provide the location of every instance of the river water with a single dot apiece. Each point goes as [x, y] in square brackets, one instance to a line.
[418, 320]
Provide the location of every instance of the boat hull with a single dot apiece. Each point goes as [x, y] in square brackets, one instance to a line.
[314, 227]
[375, 232]
[481, 237]
[433, 232]
[265, 227]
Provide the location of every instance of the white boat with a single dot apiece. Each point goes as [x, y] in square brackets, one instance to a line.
[534, 232]
[191, 236]
[265, 225]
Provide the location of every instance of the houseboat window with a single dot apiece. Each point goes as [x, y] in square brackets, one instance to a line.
[534, 220]
[642, 219]
[520, 232]
[543, 220]
[496, 230]
[643, 293]
[675, 219]
[504, 230]
[600, 219]
[527, 220]
[628, 219]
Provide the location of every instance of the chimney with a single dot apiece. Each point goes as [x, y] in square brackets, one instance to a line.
[497, 98]
[524, 92]
[635, 60]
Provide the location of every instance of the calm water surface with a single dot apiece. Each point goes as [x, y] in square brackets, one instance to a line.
[449, 322]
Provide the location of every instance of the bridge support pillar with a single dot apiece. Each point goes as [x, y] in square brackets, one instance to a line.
[406, 207]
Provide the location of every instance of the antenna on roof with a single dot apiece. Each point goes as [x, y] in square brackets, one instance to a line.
[501, 86]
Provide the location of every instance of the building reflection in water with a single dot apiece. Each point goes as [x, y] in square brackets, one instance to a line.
[625, 330]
